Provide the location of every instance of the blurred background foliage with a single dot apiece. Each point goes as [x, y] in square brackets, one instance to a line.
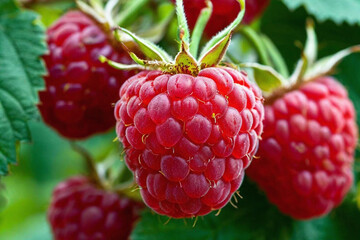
[49, 159]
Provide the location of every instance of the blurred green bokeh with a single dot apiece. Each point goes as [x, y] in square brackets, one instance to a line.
[43, 163]
[49, 159]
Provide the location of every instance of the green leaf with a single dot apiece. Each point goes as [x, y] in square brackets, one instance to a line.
[338, 11]
[22, 42]
[254, 219]
[342, 223]
[221, 35]
[216, 53]
[266, 77]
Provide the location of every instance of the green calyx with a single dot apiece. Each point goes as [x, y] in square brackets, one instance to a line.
[116, 13]
[186, 61]
[274, 83]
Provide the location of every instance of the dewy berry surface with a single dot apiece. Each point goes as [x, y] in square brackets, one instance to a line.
[79, 210]
[80, 90]
[224, 12]
[189, 139]
[306, 151]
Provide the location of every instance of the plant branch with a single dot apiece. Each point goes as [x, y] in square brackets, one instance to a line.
[89, 161]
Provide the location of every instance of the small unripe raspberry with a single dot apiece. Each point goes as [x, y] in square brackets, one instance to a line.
[188, 139]
[307, 148]
[80, 90]
[79, 210]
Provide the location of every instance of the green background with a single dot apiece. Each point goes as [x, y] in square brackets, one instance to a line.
[48, 159]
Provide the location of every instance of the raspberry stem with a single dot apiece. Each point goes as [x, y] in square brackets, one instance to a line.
[130, 190]
[254, 38]
[199, 28]
[89, 161]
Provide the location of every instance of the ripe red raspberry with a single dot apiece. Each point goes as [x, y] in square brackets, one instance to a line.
[188, 139]
[80, 90]
[306, 152]
[79, 210]
[224, 12]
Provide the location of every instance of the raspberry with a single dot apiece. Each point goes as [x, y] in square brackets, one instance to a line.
[80, 90]
[224, 12]
[188, 139]
[79, 210]
[306, 152]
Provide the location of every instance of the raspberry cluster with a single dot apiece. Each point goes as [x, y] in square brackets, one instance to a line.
[306, 155]
[80, 90]
[79, 210]
[188, 139]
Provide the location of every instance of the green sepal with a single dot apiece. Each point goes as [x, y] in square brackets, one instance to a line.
[93, 9]
[148, 48]
[256, 40]
[153, 64]
[311, 45]
[137, 59]
[182, 22]
[141, 64]
[121, 66]
[216, 53]
[300, 70]
[221, 35]
[326, 66]
[267, 78]
[275, 56]
[157, 32]
[185, 62]
[199, 28]
[110, 9]
[308, 56]
[129, 9]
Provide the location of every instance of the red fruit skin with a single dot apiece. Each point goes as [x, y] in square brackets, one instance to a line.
[80, 90]
[79, 210]
[224, 12]
[188, 139]
[306, 151]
